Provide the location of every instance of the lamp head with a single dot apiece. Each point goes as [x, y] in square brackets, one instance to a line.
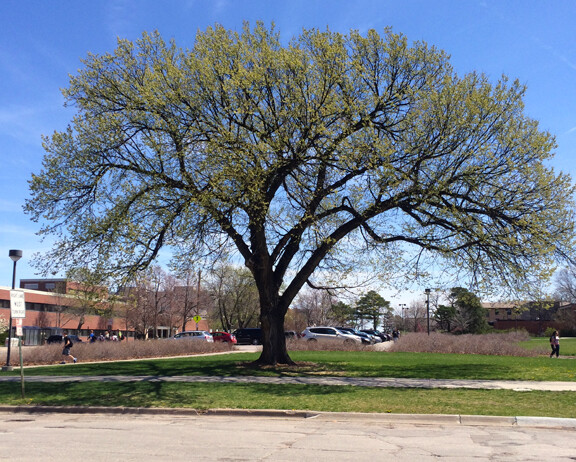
[15, 255]
[428, 291]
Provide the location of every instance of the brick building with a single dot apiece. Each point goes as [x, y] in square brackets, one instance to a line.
[531, 316]
[54, 305]
[50, 309]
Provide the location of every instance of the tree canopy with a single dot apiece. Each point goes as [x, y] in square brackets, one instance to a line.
[372, 307]
[300, 156]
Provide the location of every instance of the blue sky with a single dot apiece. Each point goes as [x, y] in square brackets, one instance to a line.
[42, 42]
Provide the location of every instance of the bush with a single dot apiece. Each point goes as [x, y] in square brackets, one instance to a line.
[548, 332]
[486, 344]
[114, 351]
[308, 345]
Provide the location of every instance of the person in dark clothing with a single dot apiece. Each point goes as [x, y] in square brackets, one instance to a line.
[66, 351]
[555, 344]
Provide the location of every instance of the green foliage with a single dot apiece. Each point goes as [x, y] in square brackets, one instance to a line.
[341, 313]
[549, 331]
[470, 314]
[372, 306]
[445, 316]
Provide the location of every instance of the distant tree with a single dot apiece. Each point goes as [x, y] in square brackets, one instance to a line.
[295, 320]
[235, 297]
[444, 317]
[470, 315]
[90, 294]
[190, 299]
[316, 306]
[342, 313]
[150, 302]
[302, 156]
[415, 319]
[371, 306]
[566, 284]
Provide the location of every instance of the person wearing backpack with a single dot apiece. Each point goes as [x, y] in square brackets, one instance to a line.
[555, 344]
[66, 351]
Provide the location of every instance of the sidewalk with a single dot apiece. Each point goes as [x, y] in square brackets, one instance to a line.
[380, 382]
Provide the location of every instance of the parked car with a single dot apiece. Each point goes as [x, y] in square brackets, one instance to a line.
[224, 337]
[199, 335]
[329, 334]
[248, 336]
[381, 335]
[60, 338]
[55, 339]
[365, 338]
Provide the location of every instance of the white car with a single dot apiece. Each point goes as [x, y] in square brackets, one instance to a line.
[200, 335]
[329, 334]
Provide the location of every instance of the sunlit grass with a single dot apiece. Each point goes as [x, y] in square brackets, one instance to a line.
[300, 397]
[567, 345]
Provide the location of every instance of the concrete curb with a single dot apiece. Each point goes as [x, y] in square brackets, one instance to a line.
[420, 419]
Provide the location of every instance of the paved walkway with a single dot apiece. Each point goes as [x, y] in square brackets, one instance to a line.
[381, 382]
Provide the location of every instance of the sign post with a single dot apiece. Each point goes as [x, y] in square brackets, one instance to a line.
[18, 312]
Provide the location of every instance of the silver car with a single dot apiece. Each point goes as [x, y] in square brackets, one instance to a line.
[329, 334]
[200, 335]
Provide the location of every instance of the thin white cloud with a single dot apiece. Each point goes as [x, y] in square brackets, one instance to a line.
[10, 206]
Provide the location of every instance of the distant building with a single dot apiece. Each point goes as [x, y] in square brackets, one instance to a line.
[51, 308]
[532, 316]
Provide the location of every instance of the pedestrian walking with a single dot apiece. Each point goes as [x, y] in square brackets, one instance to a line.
[555, 344]
[66, 351]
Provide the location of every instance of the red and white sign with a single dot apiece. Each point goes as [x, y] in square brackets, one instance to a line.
[19, 332]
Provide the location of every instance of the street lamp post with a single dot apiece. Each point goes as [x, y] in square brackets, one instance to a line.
[428, 308]
[14, 255]
[403, 308]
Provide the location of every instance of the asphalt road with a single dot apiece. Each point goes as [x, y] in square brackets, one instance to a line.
[324, 437]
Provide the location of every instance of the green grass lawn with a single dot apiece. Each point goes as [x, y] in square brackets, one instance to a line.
[313, 397]
[294, 397]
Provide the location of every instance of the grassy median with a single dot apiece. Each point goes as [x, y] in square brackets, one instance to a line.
[313, 397]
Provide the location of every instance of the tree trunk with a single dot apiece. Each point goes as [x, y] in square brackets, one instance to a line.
[273, 339]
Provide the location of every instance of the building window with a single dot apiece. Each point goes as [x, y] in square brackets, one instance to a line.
[50, 285]
[31, 285]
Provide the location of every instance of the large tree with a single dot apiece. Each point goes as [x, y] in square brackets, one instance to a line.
[302, 156]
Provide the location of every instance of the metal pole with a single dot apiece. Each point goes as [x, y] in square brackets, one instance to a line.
[10, 325]
[14, 255]
[428, 308]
